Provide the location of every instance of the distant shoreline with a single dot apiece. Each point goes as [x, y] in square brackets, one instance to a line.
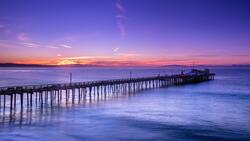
[88, 65]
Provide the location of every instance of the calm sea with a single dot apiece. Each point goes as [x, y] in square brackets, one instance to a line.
[216, 110]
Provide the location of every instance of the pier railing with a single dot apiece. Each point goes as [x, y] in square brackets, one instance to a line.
[20, 97]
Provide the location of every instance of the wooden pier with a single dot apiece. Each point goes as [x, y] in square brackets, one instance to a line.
[20, 97]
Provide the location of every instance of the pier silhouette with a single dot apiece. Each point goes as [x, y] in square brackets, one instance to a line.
[19, 98]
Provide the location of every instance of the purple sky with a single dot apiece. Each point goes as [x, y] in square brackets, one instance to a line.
[125, 32]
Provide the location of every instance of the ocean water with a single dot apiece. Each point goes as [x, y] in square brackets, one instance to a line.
[217, 110]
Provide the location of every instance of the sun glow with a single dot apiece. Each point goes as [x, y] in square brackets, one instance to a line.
[66, 62]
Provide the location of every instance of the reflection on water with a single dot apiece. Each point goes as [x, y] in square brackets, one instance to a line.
[38, 109]
[44, 115]
[215, 110]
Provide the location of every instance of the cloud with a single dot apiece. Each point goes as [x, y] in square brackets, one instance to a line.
[31, 45]
[23, 37]
[11, 44]
[5, 44]
[18, 44]
[119, 6]
[121, 28]
[65, 46]
[117, 57]
[128, 55]
[52, 47]
[116, 49]
[120, 18]
[85, 57]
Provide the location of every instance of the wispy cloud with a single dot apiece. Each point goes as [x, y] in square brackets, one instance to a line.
[14, 45]
[120, 17]
[28, 44]
[23, 37]
[116, 49]
[52, 47]
[127, 55]
[119, 6]
[65, 46]
[31, 45]
[85, 57]
[118, 56]
[7, 44]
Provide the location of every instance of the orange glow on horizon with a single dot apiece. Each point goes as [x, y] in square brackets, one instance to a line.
[66, 62]
[115, 63]
[126, 60]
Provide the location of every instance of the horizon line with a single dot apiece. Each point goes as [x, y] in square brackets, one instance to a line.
[98, 65]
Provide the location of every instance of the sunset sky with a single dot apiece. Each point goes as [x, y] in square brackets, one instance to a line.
[125, 32]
